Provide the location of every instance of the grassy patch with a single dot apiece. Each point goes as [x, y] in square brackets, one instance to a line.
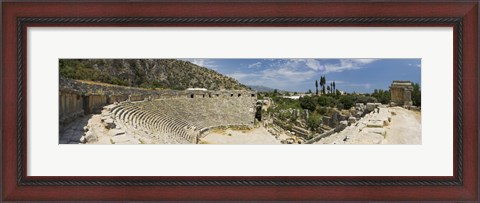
[219, 130]
[240, 128]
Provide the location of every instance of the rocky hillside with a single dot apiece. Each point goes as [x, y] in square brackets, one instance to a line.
[147, 73]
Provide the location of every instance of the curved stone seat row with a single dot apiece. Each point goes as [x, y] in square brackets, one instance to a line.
[181, 120]
[161, 125]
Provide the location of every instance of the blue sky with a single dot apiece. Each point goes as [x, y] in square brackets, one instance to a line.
[359, 75]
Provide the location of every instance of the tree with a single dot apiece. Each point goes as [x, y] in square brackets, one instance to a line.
[324, 101]
[347, 101]
[334, 88]
[308, 103]
[416, 95]
[382, 96]
[328, 89]
[316, 87]
[323, 81]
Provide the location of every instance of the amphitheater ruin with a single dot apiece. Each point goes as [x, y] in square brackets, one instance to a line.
[107, 114]
[156, 116]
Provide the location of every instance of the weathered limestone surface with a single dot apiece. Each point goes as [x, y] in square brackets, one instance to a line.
[171, 120]
[381, 126]
[401, 93]
[149, 116]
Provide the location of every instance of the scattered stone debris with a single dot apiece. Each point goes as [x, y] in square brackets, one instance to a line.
[379, 127]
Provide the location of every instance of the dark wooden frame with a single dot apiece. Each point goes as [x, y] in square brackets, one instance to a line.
[463, 185]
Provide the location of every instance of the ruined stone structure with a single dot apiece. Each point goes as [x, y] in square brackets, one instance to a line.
[401, 93]
[183, 120]
[367, 130]
[162, 116]
[71, 106]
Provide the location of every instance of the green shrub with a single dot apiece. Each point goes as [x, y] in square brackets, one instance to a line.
[308, 102]
[347, 101]
[314, 121]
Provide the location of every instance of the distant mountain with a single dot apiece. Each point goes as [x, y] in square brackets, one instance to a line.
[147, 73]
[260, 88]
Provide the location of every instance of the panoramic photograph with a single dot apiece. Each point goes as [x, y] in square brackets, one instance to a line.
[240, 101]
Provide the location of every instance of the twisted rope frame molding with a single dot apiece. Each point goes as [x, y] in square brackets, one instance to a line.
[118, 181]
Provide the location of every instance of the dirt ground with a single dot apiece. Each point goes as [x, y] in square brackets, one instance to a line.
[405, 128]
[253, 136]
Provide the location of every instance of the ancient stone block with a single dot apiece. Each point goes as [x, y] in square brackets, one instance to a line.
[90, 137]
[371, 106]
[401, 93]
[109, 123]
[341, 126]
[380, 131]
[83, 139]
[116, 132]
[125, 139]
[352, 119]
[375, 124]
[359, 114]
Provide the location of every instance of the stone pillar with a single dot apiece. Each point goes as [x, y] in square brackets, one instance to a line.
[401, 93]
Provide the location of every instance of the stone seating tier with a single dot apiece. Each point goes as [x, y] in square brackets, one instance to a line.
[180, 120]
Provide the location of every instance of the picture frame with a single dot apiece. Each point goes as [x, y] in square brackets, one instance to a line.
[462, 16]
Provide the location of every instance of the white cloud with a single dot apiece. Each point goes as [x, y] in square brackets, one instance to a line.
[208, 63]
[313, 64]
[285, 78]
[288, 74]
[364, 61]
[291, 73]
[364, 85]
[243, 76]
[348, 64]
[416, 65]
[255, 65]
[336, 81]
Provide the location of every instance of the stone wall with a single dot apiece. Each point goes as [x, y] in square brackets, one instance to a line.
[94, 103]
[116, 98]
[70, 106]
[203, 109]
